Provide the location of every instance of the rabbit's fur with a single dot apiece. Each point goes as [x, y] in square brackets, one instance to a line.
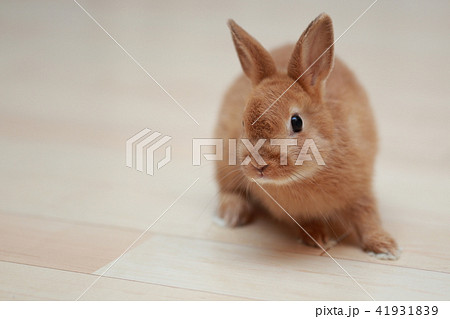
[336, 115]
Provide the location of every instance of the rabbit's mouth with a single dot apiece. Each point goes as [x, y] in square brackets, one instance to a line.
[265, 173]
[274, 173]
[260, 172]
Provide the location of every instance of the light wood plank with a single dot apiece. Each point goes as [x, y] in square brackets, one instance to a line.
[60, 245]
[271, 274]
[23, 282]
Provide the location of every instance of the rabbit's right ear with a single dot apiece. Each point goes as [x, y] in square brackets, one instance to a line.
[313, 56]
[255, 60]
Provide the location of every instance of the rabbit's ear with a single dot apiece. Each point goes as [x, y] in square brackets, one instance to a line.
[255, 60]
[313, 56]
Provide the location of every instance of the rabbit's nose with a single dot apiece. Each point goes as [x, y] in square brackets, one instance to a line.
[260, 168]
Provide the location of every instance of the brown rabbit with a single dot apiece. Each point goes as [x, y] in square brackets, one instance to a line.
[300, 93]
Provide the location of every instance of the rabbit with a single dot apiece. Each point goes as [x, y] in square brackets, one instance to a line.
[302, 93]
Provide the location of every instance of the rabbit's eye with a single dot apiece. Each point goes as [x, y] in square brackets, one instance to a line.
[297, 123]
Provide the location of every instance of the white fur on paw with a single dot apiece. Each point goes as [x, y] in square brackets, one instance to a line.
[219, 221]
[387, 255]
[230, 220]
[331, 243]
[234, 214]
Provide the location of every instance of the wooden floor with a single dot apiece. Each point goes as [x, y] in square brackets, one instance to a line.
[70, 98]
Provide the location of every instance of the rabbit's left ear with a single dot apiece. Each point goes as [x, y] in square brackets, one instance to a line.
[256, 62]
[313, 56]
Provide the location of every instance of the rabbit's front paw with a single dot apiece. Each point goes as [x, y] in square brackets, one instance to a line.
[316, 234]
[381, 245]
[233, 211]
